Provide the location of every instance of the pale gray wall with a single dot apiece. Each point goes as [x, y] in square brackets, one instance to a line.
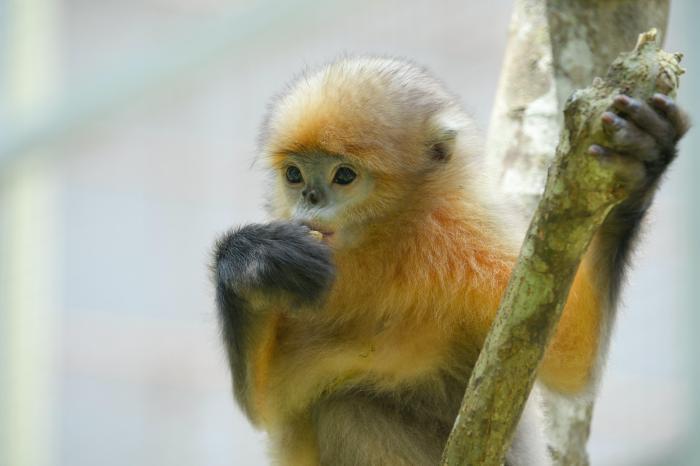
[146, 189]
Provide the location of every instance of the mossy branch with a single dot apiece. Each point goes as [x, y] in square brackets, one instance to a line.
[579, 193]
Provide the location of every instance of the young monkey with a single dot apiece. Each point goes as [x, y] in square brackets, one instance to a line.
[352, 320]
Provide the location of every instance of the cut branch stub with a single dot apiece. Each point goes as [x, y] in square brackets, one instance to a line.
[579, 192]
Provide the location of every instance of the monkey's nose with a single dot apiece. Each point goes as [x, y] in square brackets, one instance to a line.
[311, 195]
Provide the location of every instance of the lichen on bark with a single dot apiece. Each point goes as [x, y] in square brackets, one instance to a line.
[580, 191]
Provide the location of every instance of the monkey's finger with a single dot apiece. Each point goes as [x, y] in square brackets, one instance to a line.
[626, 137]
[599, 151]
[676, 116]
[647, 119]
[317, 235]
[626, 167]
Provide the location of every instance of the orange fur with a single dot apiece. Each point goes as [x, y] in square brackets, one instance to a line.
[570, 358]
[260, 367]
[415, 298]
[445, 291]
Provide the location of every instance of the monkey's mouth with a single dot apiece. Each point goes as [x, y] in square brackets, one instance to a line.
[325, 232]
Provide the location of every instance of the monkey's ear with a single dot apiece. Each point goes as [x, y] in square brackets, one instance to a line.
[442, 145]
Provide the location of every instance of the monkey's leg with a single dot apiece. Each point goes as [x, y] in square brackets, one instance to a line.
[364, 429]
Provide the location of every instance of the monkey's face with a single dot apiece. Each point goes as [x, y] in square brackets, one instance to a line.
[359, 148]
[328, 193]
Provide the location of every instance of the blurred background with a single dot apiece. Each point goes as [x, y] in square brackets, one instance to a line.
[127, 133]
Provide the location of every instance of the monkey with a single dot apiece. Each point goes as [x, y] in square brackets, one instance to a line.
[353, 318]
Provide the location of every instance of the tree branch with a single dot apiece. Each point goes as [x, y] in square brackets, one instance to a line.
[579, 193]
[558, 46]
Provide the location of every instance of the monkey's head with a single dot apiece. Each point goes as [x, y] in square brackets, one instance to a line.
[363, 142]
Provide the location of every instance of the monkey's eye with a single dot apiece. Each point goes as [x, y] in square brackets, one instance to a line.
[344, 175]
[293, 175]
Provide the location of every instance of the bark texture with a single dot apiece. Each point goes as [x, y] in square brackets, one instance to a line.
[579, 193]
[558, 46]
[554, 47]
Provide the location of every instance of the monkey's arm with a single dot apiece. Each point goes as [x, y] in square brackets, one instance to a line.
[641, 142]
[260, 271]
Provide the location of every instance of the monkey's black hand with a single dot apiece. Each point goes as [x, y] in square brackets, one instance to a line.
[640, 143]
[271, 259]
[641, 140]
